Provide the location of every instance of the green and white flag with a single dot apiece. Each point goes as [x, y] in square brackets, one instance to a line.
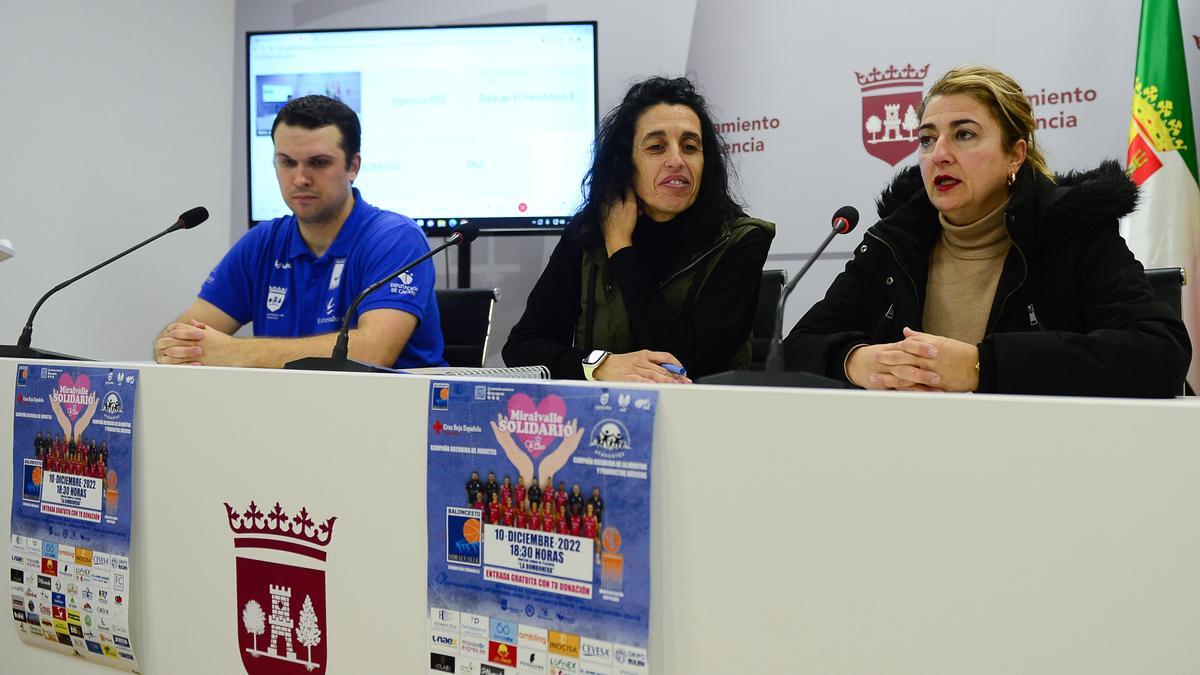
[1165, 229]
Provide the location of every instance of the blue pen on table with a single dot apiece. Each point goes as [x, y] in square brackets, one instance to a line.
[672, 368]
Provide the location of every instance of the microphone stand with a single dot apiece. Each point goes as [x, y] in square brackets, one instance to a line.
[773, 373]
[775, 353]
[22, 349]
[339, 360]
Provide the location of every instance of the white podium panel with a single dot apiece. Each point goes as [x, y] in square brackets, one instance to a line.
[795, 531]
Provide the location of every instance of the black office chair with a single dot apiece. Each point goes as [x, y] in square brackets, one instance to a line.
[466, 322]
[764, 316]
[1168, 283]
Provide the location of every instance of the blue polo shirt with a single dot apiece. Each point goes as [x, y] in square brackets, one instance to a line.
[272, 280]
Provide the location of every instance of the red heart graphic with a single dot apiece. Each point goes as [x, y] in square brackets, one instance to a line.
[73, 403]
[521, 410]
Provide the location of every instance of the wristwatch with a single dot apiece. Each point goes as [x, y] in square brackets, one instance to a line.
[592, 361]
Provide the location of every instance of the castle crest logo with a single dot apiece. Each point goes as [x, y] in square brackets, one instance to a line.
[275, 297]
[1152, 132]
[890, 99]
[280, 609]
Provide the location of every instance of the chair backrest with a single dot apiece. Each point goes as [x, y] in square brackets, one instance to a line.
[764, 316]
[1168, 283]
[466, 323]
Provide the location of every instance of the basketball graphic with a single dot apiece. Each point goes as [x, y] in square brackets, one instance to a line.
[611, 540]
[471, 531]
[612, 564]
[111, 494]
[464, 535]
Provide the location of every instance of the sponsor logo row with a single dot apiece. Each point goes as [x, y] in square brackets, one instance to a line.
[72, 595]
[554, 665]
[529, 648]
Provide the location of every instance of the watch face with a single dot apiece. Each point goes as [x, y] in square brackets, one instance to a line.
[595, 357]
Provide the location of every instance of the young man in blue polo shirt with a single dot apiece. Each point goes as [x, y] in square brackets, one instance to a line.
[294, 277]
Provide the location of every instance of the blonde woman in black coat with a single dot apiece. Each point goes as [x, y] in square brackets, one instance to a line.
[989, 273]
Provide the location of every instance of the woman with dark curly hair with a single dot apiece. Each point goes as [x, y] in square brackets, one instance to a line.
[656, 277]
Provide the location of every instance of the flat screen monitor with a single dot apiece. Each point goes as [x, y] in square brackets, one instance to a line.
[487, 124]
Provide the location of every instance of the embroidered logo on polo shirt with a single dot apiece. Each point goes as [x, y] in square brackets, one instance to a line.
[330, 316]
[335, 277]
[275, 297]
[403, 286]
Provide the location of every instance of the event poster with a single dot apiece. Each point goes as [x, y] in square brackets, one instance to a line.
[71, 510]
[539, 528]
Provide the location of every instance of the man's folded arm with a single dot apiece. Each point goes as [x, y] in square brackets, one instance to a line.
[203, 336]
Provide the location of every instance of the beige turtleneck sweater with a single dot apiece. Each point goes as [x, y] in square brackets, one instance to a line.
[964, 270]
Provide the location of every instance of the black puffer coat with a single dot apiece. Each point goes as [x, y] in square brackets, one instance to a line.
[1073, 312]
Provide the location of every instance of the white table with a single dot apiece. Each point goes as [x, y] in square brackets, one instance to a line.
[796, 531]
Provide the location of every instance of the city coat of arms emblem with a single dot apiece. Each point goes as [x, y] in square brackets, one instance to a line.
[280, 605]
[275, 297]
[890, 99]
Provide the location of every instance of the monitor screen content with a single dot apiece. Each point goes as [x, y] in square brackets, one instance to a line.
[487, 124]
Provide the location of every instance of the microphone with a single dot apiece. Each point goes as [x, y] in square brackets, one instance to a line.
[339, 359]
[189, 219]
[186, 221]
[844, 220]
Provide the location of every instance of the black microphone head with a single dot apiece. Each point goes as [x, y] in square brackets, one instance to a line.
[845, 219]
[468, 232]
[191, 218]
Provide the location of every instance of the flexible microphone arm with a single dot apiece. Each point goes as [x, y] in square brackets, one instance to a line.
[465, 234]
[186, 221]
[844, 221]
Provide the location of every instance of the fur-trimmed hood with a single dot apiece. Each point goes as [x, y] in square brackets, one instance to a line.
[1077, 198]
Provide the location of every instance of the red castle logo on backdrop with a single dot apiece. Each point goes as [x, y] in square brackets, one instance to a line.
[889, 111]
[280, 608]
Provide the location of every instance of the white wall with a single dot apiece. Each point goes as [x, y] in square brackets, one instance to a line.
[636, 39]
[115, 119]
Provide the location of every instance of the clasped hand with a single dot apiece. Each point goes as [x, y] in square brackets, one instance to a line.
[919, 362]
[194, 344]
